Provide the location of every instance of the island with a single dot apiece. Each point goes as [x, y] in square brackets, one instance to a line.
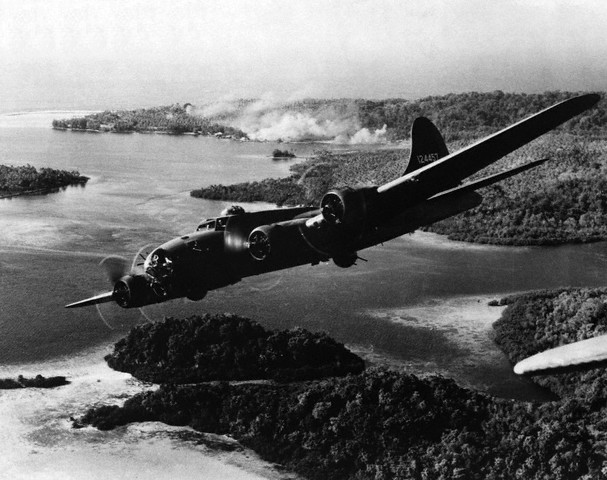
[37, 382]
[173, 119]
[27, 180]
[280, 191]
[378, 423]
[278, 154]
[228, 347]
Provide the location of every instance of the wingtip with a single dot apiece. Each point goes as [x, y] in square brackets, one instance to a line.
[589, 99]
[519, 368]
[581, 355]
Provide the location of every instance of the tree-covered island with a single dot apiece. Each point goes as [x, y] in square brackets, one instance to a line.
[174, 119]
[562, 201]
[278, 154]
[27, 180]
[228, 347]
[377, 424]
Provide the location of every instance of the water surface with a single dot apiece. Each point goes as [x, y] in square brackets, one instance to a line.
[419, 301]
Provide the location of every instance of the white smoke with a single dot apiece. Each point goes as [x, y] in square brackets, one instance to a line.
[365, 136]
[271, 118]
[224, 106]
[291, 126]
[219, 108]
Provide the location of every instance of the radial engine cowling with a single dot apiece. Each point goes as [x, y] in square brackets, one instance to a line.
[133, 291]
[280, 244]
[347, 208]
[259, 242]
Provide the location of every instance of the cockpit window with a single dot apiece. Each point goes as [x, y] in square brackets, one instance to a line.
[221, 223]
[208, 225]
[218, 224]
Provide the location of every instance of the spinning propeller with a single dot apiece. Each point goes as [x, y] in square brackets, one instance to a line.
[123, 275]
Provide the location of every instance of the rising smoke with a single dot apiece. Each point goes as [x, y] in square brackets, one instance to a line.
[269, 119]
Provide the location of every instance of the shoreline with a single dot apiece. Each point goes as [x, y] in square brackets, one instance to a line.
[465, 324]
[42, 191]
[40, 436]
[38, 433]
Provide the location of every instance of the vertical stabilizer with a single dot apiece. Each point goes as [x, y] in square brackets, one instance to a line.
[427, 144]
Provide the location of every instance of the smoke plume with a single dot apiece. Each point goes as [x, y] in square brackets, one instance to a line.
[269, 119]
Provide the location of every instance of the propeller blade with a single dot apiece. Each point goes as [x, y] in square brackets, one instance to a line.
[139, 259]
[103, 298]
[115, 267]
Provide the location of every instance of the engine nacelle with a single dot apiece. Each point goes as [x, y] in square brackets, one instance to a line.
[345, 260]
[347, 208]
[260, 243]
[133, 291]
[281, 245]
[196, 294]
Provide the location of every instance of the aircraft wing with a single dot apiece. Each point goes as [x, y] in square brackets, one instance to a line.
[490, 180]
[439, 207]
[102, 298]
[450, 170]
[583, 354]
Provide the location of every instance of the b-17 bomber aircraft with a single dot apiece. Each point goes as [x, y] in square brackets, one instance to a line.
[226, 249]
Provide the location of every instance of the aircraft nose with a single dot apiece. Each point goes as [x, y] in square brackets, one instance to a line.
[159, 264]
[190, 265]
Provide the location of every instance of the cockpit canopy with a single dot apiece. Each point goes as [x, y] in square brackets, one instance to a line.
[215, 224]
[218, 224]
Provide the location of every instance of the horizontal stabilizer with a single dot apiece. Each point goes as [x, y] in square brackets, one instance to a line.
[588, 353]
[490, 180]
[103, 298]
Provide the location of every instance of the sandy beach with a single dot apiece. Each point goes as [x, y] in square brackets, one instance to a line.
[38, 440]
[461, 344]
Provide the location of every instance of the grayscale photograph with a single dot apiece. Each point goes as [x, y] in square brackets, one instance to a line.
[267, 240]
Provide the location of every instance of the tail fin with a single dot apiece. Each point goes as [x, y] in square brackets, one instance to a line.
[427, 144]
